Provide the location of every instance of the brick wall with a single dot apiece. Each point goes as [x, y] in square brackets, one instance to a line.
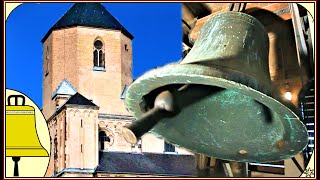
[71, 58]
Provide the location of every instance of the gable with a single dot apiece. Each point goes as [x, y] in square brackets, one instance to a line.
[65, 88]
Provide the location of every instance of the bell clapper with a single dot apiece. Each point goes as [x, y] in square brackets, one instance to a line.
[184, 87]
[163, 107]
[16, 167]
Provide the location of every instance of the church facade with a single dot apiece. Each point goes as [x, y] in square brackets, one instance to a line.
[87, 61]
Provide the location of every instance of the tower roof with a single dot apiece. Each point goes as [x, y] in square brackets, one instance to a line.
[64, 88]
[78, 99]
[90, 15]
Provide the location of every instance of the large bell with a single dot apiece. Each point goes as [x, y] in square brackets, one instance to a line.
[21, 134]
[227, 107]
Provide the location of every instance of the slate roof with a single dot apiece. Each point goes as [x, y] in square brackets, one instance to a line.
[75, 100]
[64, 88]
[91, 14]
[78, 99]
[147, 163]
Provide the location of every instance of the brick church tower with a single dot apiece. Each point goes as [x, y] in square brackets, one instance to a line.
[87, 52]
[87, 65]
[90, 49]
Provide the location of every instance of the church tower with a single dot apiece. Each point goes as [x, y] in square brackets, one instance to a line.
[87, 57]
[92, 51]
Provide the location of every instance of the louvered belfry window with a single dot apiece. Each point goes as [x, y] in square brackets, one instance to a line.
[169, 147]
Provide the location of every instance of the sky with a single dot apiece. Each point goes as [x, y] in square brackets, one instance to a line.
[156, 28]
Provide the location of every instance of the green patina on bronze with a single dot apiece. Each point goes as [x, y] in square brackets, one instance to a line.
[231, 111]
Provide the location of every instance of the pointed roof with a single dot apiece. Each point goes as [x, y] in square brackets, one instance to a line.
[88, 14]
[64, 88]
[78, 99]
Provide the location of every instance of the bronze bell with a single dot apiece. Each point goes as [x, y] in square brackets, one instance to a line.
[219, 100]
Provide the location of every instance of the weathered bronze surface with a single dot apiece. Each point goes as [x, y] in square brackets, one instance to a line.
[230, 111]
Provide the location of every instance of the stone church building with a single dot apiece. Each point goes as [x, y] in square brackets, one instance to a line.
[87, 61]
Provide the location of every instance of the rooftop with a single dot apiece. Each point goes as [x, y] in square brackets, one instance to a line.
[65, 88]
[89, 15]
[147, 163]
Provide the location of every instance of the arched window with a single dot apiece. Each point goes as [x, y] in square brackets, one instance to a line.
[98, 54]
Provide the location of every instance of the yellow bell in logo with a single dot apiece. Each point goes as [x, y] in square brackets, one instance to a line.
[21, 135]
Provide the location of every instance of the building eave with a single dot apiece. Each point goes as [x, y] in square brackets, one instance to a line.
[126, 33]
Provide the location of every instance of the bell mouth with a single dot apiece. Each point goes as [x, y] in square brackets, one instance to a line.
[236, 122]
[26, 152]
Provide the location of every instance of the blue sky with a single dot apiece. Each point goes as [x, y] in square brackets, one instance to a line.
[155, 26]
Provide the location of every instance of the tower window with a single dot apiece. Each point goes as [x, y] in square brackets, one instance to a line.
[98, 55]
[47, 61]
[169, 147]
